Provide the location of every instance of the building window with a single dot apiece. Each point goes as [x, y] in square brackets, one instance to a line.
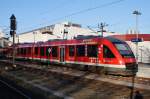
[107, 53]
[36, 50]
[54, 51]
[92, 50]
[42, 51]
[71, 50]
[80, 50]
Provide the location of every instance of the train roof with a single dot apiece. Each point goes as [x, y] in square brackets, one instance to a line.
[115, 40]
[80, 39]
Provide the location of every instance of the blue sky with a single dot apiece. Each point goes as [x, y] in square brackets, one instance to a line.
[32, 14]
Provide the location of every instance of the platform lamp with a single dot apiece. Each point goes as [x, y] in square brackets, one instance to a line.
[136, 13]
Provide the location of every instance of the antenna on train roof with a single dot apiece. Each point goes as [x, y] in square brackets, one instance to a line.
[86, 36]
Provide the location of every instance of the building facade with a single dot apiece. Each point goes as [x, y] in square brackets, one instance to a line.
[65, 30]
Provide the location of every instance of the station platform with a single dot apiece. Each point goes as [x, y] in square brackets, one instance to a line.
[143, 70]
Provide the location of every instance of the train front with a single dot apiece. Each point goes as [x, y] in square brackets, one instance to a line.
[124, 56]
[128, 57]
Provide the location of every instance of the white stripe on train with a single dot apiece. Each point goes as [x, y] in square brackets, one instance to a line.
[82, 63]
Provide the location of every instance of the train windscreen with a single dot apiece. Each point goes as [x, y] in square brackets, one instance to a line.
[124, 50]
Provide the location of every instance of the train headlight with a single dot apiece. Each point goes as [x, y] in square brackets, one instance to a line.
[121, 62]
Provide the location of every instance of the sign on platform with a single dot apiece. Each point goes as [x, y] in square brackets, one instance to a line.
[136, 40]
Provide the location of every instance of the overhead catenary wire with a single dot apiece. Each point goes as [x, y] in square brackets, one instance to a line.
[62, 4]
[83, 11]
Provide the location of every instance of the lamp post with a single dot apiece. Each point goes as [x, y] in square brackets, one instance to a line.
[136, 13]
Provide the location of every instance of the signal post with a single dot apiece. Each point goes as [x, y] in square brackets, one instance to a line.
[12, 34]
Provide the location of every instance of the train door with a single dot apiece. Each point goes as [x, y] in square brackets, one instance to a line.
[62, 54]
[108, 55]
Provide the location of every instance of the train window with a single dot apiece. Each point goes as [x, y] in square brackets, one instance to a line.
[107, 53]
[48, 51]
[21, 50]
[24, 51]
[71, 50]
[29, 50]
[18, 51]
[92, 50]
[54, 51]
[42, 51]
[80, 50]
[36, 50]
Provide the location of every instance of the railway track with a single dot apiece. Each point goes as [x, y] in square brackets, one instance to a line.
[11, 92]
[44, 69]
[68, 82]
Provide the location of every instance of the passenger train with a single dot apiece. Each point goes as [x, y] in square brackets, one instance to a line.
[107, 53]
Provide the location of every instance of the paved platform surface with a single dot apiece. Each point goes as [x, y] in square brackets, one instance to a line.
[144, 70]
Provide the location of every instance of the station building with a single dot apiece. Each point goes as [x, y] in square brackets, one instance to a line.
[4, 42]
[64, 30]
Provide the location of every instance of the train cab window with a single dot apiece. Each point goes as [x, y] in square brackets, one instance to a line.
[42, 51]
[124, 50]
[36, 50]
[92, 50]
[80, 50]
[107, 53]
[54, 51]
[71, 50]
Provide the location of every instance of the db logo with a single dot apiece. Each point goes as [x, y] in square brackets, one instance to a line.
[49, 50]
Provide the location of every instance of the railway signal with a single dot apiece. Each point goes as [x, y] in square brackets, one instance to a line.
[12, 33]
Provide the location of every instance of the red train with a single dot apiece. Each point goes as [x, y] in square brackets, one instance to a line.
[3, 52]
[110, 54]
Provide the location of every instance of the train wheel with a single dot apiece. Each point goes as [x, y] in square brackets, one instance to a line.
[86, 67]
